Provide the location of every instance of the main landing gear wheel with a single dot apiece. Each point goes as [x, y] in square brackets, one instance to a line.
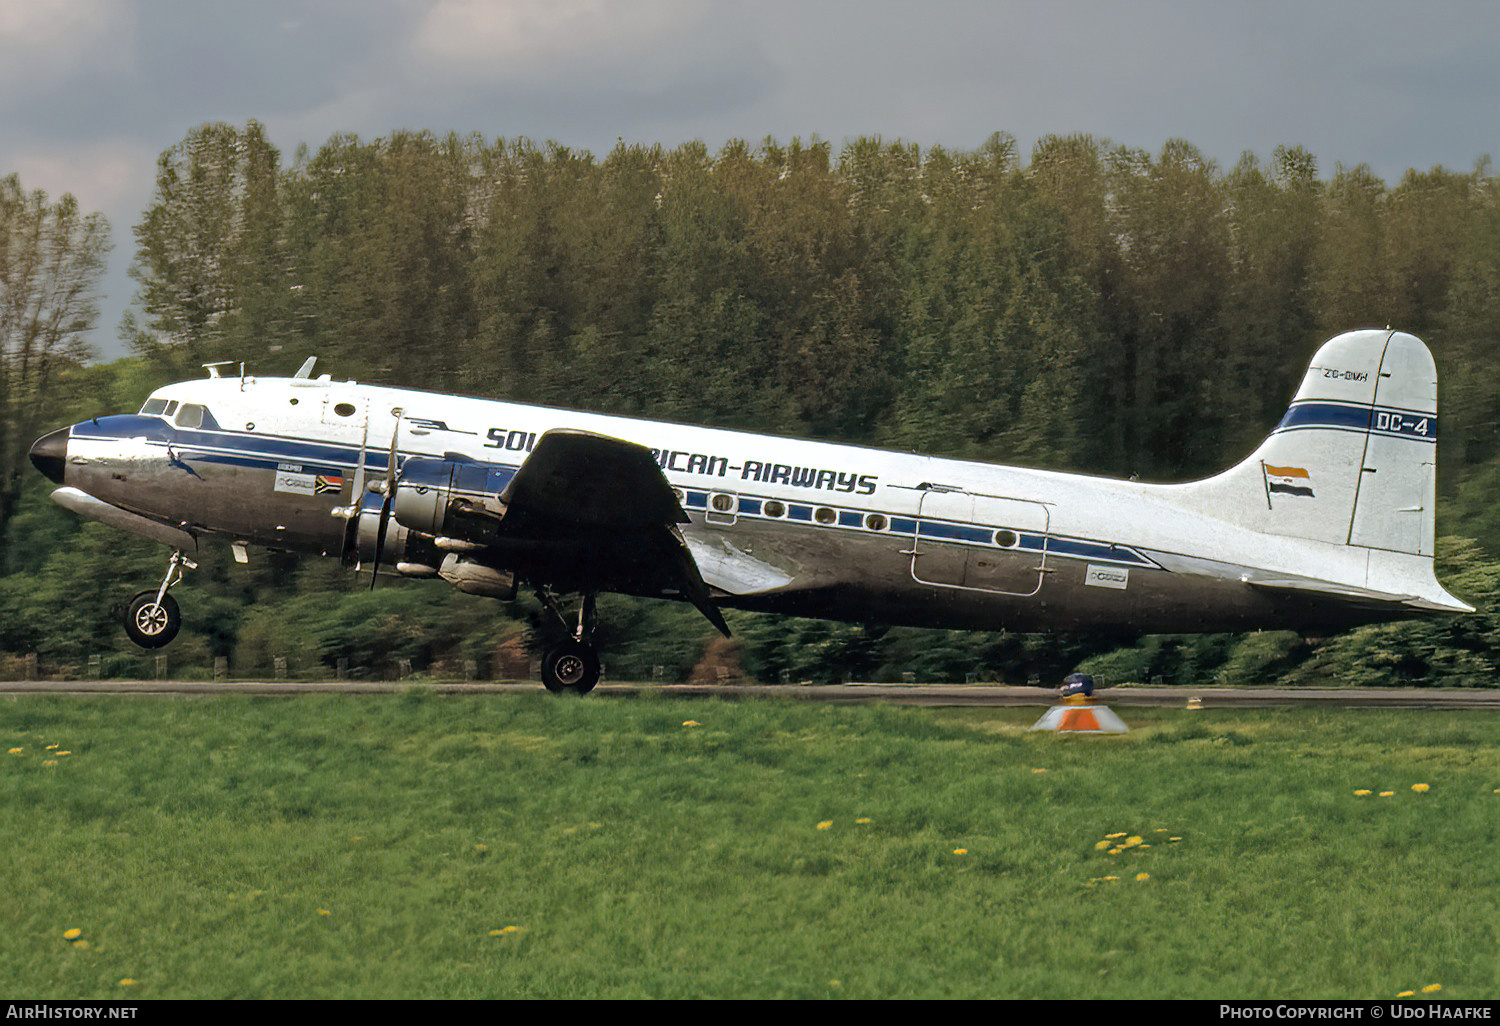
[570, 666]
[152, 623]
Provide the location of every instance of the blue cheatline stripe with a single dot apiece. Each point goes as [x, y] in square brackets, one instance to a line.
[268, 452]
[1388, 421]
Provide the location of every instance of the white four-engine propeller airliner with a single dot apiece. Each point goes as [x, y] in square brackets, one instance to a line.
[1329, 523]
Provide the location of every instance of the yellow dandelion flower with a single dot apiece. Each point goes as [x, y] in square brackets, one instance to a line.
[1039, 771]
[73, 934]
[70, 753]
[1174, 838]
[1115, 851]
[864, 819]
[960, 851]
[1362, 791]
[128, 982]
[1386, 794]
[691, 723]
[17, 751]
[1161, 830]
[324, 912]
[51, 747]
[49, 762]
[1407, 993]
[1432, 988]
[507, 931]
[1102, 845]
[1109, 879]
[1142, 877]
[1131, 842]
[1419, 787]
[827, 824]
[1111, 837]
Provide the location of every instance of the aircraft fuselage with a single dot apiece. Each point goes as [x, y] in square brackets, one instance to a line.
[777, 524]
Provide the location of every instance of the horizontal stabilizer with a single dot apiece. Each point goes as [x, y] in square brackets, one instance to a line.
[1357, 594]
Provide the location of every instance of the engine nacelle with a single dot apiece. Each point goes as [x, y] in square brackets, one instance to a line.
[406, 552]
[453, 498]
[475, 578]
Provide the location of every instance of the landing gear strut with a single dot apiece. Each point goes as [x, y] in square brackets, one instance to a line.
[152, 619]
[572, 665]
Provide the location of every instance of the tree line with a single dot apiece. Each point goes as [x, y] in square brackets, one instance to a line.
[1094, 308]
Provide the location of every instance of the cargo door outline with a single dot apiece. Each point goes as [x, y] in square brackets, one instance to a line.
[968, 555]
[939, 550]
[1013, 525]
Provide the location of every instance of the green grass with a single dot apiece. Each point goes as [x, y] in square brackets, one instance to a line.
[198, 844]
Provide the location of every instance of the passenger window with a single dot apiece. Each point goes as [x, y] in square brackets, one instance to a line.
[190, 416]
[171, 408]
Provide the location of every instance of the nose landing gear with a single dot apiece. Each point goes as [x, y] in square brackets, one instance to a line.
[152, 619]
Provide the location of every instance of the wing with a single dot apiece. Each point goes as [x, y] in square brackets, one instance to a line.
[580, 478]
[607, 516]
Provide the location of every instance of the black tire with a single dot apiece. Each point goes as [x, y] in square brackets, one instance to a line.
[152, 625]
[570, 666]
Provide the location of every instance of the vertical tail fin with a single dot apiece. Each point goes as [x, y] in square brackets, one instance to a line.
[1353, 463]
[1354, 460]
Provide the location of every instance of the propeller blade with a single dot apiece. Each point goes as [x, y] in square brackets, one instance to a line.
[390, 497]
[384, 522]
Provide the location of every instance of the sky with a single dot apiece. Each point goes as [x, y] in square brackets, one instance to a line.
[92, 91]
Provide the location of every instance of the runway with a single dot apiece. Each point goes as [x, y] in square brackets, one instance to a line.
[1182, 696]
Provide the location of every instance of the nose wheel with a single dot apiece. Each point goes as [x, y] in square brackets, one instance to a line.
[153, 619]
[152, 622]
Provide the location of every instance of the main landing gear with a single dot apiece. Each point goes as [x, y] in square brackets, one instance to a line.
[571, 665]
[152, 619]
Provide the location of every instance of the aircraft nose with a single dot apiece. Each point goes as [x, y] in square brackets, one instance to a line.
[49, 454]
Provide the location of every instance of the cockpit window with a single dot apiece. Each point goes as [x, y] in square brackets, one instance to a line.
[153, 407]
[189, 416]
[171, 408]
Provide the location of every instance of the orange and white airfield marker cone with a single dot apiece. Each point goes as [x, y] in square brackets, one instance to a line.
[1078, 714]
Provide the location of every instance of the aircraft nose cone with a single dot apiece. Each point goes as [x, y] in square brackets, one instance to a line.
[49, 452]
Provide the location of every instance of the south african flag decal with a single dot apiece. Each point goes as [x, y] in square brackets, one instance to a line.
[1287, 480]
[328, 483]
